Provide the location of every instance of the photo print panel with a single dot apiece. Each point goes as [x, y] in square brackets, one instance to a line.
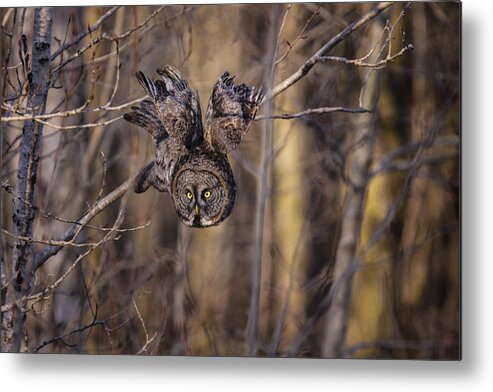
[261, 180]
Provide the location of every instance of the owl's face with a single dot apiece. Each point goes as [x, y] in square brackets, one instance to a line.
[203, 196]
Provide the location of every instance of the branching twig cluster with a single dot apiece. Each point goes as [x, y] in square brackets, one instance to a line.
[321, 56]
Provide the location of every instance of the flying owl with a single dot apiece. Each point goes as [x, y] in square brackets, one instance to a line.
[191, 159]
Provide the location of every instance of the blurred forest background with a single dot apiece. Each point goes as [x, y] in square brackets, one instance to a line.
[345, 236]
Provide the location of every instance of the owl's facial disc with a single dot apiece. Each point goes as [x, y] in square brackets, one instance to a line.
[201, 198]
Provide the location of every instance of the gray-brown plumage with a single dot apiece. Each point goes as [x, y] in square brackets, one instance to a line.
[230, 113]
[192, 164]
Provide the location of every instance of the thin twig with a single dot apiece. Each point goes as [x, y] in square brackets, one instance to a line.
[48, 242]
[300, 35]
[81, 110]
[93, 323]
[106, 37]
[148, 341]
[80, 126]
[361, 63]
[85, 33]
[309, 112]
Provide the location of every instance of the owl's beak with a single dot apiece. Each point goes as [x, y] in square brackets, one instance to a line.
[195, 222]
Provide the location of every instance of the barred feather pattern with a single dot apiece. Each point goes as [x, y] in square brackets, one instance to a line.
[145, 116]
[230, 113]
[176, 105]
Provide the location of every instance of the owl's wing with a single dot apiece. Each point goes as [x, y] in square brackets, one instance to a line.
[146, 116]
[231, 111]
[174, 109]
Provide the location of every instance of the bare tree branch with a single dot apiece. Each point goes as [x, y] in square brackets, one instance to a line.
[102, 204]
[41, 295]
[308, 65]
[309, 112]
[106, 37]
[300, 35]
[85, 33]
[361, 63]
[92, 324]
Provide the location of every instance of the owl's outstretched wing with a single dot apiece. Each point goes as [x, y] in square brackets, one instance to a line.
[146, 116]
[231, 111]
[174, 109]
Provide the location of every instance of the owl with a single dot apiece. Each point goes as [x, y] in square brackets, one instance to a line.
[191, 161]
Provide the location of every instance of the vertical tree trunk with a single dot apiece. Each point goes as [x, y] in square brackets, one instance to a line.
[264, 181]
[23, 212]
[337, 319]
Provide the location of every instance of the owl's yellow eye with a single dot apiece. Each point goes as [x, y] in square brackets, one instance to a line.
[207, 194]
[189, 195]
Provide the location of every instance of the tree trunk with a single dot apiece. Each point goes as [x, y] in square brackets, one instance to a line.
[23, 212]
[337, 319]
[264, 181]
